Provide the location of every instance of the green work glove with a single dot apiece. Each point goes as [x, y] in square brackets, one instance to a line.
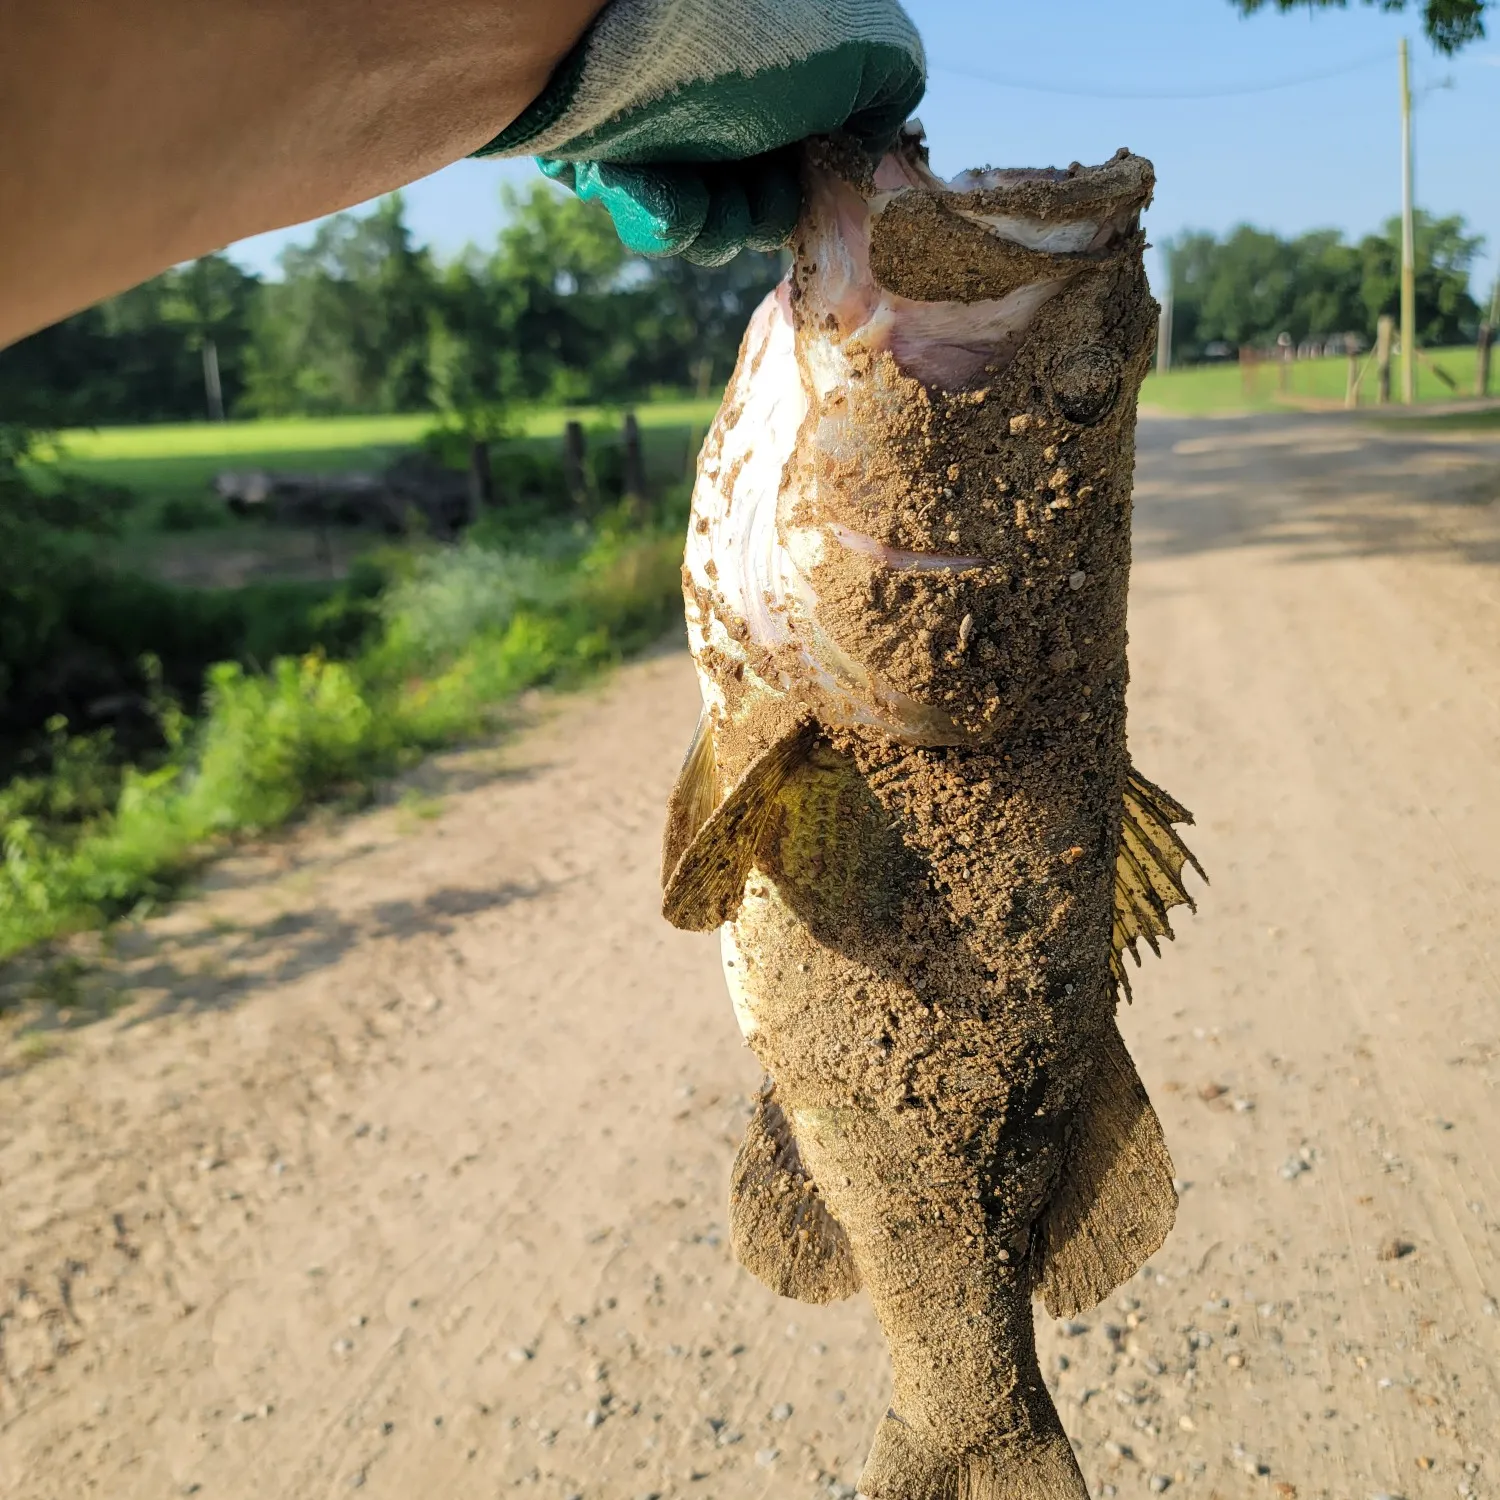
[682, 116]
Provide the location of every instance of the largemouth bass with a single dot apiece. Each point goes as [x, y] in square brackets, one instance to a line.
[909, 805]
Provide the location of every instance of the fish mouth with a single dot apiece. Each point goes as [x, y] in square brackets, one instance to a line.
[948, 276]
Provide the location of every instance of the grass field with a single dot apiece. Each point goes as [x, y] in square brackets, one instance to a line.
[1209, 390]
[181, 459]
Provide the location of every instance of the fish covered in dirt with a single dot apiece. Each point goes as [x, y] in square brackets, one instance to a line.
[909, 804]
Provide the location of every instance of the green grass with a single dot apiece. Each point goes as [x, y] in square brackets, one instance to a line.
[460, 631]
[1207, 390]
[178, 462]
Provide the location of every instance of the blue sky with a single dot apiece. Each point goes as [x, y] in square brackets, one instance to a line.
[1022, 84]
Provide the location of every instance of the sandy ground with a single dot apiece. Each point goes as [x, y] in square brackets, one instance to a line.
[396, 1160]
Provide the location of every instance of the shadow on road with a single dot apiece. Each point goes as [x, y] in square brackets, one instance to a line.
[1315, 487]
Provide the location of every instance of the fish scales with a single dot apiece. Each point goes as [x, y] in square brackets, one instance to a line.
[909, 806]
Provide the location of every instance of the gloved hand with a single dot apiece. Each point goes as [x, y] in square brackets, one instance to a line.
[682, 116]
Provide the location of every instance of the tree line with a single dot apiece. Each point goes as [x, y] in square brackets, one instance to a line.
[1251, 286]
[364, 320]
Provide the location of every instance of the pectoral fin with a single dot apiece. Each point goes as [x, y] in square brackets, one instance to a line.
[693, 797]
[707, 882]
[1115, 1203]
[780, 1227]
[1148, 872]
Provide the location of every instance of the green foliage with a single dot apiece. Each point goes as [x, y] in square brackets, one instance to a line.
[138, 356]
[74, 629]
[363, 321]
[1449, 24]
[346, 328]
[1252, 285]
[450, 635]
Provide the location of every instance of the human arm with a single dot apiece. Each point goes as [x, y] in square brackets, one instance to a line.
[134, 136]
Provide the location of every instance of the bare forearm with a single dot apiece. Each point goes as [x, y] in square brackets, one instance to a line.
[135, 136]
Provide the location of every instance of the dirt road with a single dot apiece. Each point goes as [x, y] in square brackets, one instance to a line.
[399, 1161]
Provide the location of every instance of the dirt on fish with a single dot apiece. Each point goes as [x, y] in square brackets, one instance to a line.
[910, 800]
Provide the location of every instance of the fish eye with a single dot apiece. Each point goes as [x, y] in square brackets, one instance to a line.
[1085, 383]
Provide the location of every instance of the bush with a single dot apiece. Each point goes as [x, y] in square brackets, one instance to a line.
[448, 636]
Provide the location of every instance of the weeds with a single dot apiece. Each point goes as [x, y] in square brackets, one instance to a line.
[447, 635]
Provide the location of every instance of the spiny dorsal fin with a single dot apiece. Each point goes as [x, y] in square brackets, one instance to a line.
[1115, 1201]
[1148, 872]
[707, 883]
[780, 1227]
[693, 796]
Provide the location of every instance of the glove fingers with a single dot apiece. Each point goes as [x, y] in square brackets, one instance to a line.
[707, 215]
[657, 210]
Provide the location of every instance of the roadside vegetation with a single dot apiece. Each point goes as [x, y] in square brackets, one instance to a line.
[146, 724]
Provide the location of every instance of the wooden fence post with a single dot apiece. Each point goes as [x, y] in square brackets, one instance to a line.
[1385, 330]
[575, 465]
[635, 465]
[481, 480]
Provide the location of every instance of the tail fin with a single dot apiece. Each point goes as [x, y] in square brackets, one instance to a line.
[1035, 1465]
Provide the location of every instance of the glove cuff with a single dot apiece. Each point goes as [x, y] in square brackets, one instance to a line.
[638, 52]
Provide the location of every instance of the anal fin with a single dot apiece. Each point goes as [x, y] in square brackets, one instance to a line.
[780, 1227]
[1115, 1204]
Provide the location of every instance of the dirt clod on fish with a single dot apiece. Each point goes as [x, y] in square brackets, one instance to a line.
[910, 807]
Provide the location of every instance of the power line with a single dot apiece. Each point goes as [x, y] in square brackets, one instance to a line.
[1156, 94]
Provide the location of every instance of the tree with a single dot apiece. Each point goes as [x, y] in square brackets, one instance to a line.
[136, 357]
[1253, 285]
[557, 270]
[208, 300]
[347, 327]
[1449, 24]
[1446, 312]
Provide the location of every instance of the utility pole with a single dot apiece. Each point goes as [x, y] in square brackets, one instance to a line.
[1408, 244]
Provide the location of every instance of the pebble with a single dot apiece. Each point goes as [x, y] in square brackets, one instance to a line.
[781, 1411]
[1395, 1248]
[593, 1417]
[519, 1355]
[1117, 1450]
[1159, 1482]
[1070, 1329]
[766, 1457]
